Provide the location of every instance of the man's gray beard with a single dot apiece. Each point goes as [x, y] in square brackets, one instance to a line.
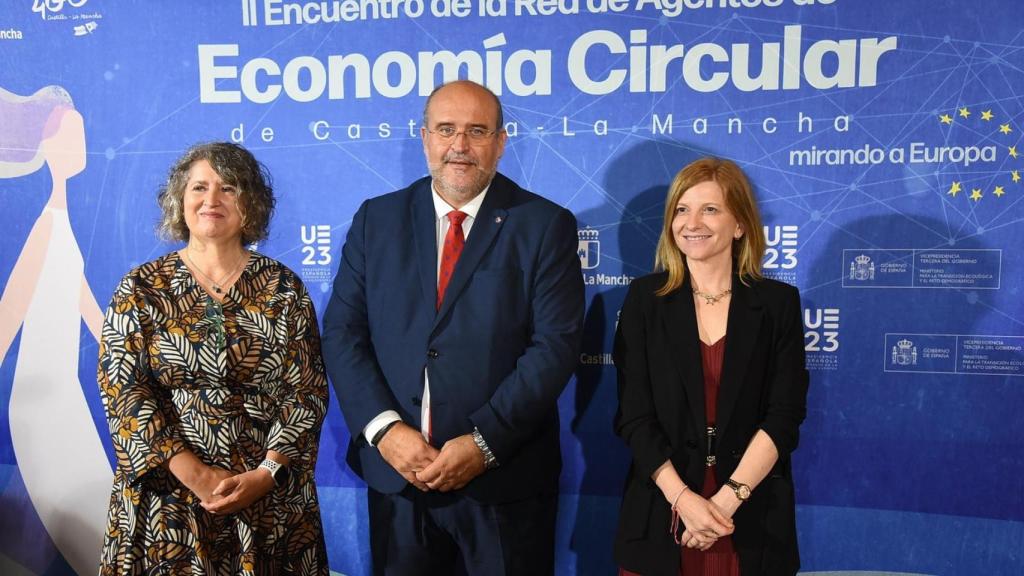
[463, 193]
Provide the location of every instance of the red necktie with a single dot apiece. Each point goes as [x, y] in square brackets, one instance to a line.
[454, 240]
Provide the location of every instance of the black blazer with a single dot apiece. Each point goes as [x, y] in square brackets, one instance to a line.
[661, 417]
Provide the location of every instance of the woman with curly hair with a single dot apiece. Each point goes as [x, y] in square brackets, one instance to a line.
[214, 387]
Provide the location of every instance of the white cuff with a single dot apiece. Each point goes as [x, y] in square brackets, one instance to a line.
[381, 420]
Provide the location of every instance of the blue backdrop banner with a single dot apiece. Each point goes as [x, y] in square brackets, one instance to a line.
[883, 139]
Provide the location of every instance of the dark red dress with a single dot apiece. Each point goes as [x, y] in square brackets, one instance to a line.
[720, 559]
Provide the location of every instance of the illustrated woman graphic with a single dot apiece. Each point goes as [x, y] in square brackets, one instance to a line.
[59, 453]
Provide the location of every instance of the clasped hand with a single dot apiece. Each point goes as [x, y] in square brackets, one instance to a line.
[426, 467]
[222, 492]
[705, 521]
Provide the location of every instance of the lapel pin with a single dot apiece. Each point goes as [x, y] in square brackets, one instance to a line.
[497, 219]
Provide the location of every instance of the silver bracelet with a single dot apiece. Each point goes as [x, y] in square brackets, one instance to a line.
[489, 460]
[678, 495]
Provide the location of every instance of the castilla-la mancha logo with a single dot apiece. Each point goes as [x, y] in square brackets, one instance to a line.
[862, 268]
[49, 7]
[904, 353]
[589, 248]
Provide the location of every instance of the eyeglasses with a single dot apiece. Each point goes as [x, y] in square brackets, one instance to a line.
[475, 133]
[215, 314]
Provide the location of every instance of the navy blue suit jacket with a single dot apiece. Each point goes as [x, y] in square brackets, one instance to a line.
[499, 351]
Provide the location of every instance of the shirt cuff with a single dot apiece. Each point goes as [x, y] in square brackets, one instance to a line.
[381, 420]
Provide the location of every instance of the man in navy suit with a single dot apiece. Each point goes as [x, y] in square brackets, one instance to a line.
[454, 325]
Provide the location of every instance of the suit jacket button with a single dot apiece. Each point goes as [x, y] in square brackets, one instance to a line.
[432, 354]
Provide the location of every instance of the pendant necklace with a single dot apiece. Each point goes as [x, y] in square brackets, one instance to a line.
[217, 286]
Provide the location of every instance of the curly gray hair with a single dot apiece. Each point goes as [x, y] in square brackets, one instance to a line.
[237, 167]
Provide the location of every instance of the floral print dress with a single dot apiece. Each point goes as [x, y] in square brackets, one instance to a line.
[227, 380]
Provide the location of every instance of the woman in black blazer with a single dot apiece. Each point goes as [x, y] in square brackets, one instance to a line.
[712, 390]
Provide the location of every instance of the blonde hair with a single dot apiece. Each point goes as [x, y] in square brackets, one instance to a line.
[748, 249]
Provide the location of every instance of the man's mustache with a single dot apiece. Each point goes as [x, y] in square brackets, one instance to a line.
[462, 158]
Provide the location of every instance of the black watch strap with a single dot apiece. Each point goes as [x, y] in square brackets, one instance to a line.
[742, 490]
[384, 430]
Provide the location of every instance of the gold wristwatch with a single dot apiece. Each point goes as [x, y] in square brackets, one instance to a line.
[742, 490]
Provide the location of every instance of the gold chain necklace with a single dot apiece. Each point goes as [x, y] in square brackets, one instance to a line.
[217, 286]
[712, 299]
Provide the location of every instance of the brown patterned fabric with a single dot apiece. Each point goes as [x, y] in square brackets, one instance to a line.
[227, 381]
